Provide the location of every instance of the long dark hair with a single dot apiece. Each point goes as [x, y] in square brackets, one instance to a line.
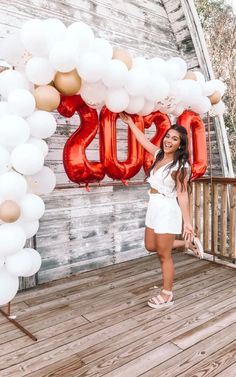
[181, 156]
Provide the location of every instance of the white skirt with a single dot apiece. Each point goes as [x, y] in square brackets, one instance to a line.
[163, 214]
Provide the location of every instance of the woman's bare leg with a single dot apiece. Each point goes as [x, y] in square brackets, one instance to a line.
[164, 245]
[150, 240]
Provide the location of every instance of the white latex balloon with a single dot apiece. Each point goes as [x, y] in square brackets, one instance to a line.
[63, 57]
[19, 264]
[117, 100]
[116, 74]
[11, 80]
[40, 144]
[27, 159]
[13, 186]
[21, 102]
[93, 94]
[202, 106]
[9, 285]
[147, 108]
[80, 34]
[35, 259]
[182, 65]
[32, 207]
[11, 48]
[135, 105]
[14, 130]
[42, 124]
[4, 108]
[192, 92]
[5, 161]
[137, 81]
[41, 183]
[157, 89]
[140, 62]
[39, 71]
[2, 260]
[172, 71]
[12, 239]
[200, 77]
[103, 48]
[156, 66]
[30, 228]
[91, 67]
[34, 37]
[55, 30]
[217, 109]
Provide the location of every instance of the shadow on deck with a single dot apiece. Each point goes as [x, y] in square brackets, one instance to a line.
[98, 324]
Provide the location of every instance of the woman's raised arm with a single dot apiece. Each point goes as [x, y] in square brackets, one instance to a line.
[142, 139]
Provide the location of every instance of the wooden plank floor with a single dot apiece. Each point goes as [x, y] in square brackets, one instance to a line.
[98, 324]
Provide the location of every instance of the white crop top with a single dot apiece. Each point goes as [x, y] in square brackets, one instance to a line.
[162, 180]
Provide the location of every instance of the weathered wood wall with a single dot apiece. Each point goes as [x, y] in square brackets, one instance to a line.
[80, 230]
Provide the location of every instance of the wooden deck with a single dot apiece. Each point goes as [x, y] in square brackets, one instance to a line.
[98, 324]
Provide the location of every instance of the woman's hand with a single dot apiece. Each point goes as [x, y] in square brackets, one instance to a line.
[188, 232]
[126, 118]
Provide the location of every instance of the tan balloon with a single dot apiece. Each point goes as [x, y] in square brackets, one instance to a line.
[9, 211]
[190, 76]
[47, 98]
[123, 55]
[215, 97]
[68, 83]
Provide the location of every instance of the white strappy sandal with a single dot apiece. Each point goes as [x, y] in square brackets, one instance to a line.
[158, 302]
[198, 250]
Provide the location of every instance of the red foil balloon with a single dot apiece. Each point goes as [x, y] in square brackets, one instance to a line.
[197, 142]
[162, 123]
[76, 164]
[108, 147]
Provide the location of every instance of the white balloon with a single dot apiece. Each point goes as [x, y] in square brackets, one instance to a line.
[55, 30]
[147, 108]
[35, 259]
[19, 264]
[63, 57]
[93, 94]
[21, 102]
[202, 106]
[41, 183]
[4, 108]
[30, 228]
[81, 34]
[179, 109]
[11, 80]
[182, 65]
[2, 261]
[5, 161]
[9, 285]
[13, 186]
[32, 207]
[103, 48]
[12, 239]
[192, 92]
[14, 130]
[137, 81]
[40, 144]
[34, 37]
[11, 48]
[27, 159]
[200, 77]
[219, 86]
[217, 109]
[116, 74]
[117, 100]
[39, 71]
[172, 71]
[156, 66]
[42, 124]
[140, 62]
[135, 105]
[157, 89]
[91, 67]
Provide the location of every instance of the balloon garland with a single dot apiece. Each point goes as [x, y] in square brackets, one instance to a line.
[69, 69]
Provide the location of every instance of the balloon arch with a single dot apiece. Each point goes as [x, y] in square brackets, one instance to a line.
[67, 68]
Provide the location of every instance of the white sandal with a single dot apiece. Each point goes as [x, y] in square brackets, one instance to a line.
[158, 302]
[198, 250]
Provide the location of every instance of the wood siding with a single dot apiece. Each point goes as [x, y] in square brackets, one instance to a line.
[80, 230]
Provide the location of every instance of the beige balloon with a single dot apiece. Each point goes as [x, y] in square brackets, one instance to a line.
[215, 97]
[68, 83]
[190, 76]
[123, 55]
[47, 98]
[9, 211]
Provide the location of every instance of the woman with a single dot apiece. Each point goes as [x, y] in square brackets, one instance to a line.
[169, 177]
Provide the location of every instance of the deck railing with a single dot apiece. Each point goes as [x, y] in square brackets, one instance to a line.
[213, 210]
